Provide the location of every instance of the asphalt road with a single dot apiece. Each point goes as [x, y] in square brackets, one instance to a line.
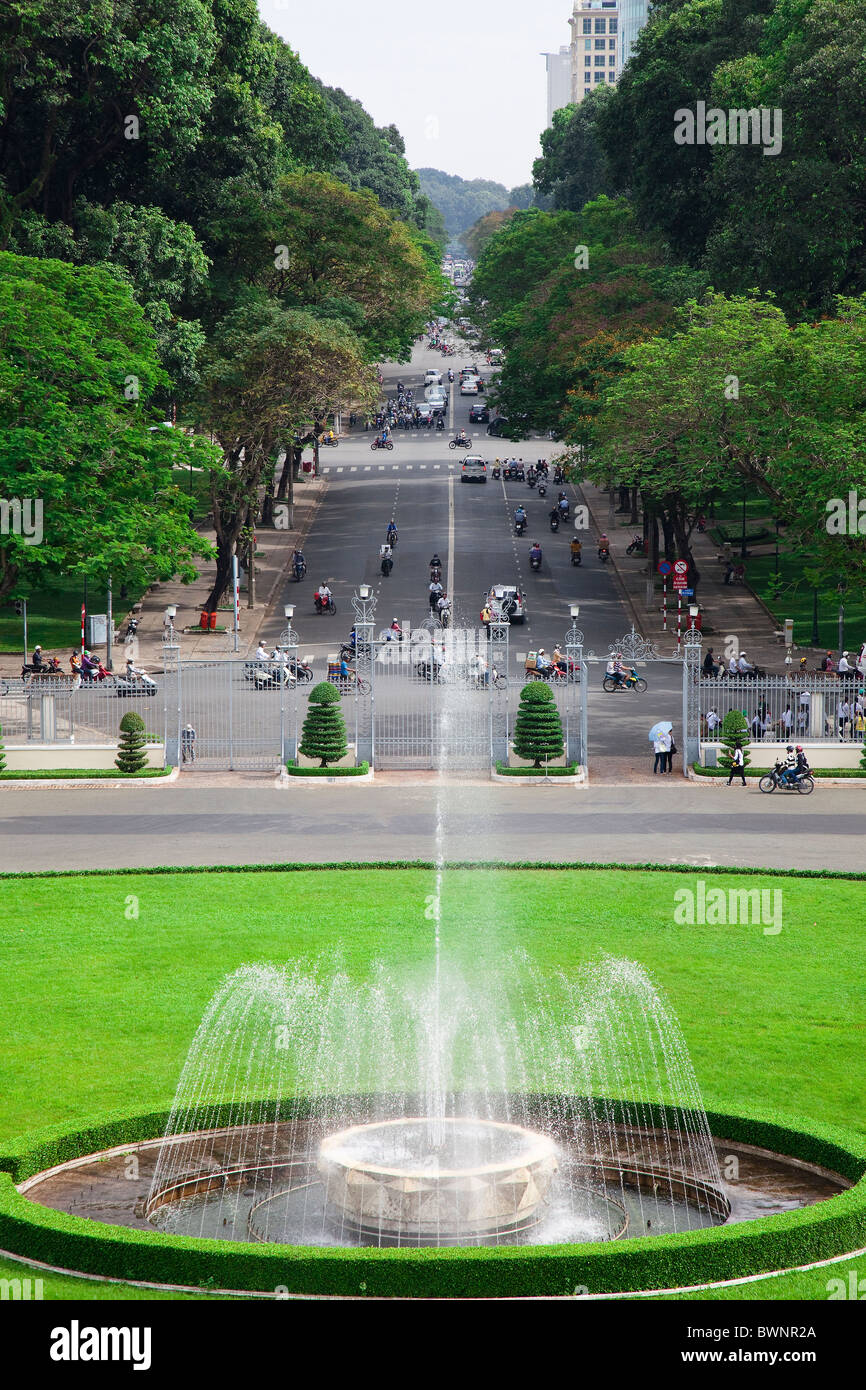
[235, 823]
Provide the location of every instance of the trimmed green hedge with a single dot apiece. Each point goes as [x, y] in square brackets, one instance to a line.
[488, 866]
[295, 771]
[717, 1253]
[64, 774]
[505, 771]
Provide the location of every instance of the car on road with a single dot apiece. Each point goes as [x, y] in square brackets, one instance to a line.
[474, 470]
[510, 599]
[498, 426]
[435, 393]
[469, 386]
[479, 413]
[425, 412]
[432, 377]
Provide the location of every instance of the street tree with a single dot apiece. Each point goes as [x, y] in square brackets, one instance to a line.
[78, 367]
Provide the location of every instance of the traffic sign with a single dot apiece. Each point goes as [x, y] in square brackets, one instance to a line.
[681, 566]
[687, 593]
[664, 567]
[680, 582]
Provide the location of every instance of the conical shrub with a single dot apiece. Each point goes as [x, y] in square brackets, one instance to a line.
[538, 728]
[735, 734]
[324, 733]
[131, 752]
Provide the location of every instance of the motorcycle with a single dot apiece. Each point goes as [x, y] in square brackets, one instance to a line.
[328, 441]
[138, 684]
[440, 423]
[631, 681]
[299, 569]
[347, 651]
[497, 471]
[391, 538]
[636, 544]
[324, 605]
[576, 552]
[557, 475]
[554, 523]
[519, 526]
[535, 561]
[542, 489]
[803, 782]
[131, 628]
[381, 444]
[387, 565]
[531, 480]
[603, 554]
[460, 444]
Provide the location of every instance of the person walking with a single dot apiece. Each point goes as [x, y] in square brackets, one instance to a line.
[187, 744]
[738, 764]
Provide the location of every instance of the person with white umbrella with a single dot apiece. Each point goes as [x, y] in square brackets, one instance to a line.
[660, 738]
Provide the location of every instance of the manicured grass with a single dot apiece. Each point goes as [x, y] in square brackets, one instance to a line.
[98, 1007]
[795, 601]
[57, 1287]
[54, 616]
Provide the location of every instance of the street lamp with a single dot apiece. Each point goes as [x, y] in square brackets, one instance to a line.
[168, 623]
[574, 611]
[364, 592]
[694, 610]
[289, 610]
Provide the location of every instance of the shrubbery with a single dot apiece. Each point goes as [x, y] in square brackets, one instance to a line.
[538, 728]
[324, 732]
[131, 754]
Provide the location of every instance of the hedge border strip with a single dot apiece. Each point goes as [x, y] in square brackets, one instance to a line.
[489, 866]
[713, 1254]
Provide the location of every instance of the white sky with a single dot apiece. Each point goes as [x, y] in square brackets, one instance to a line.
[464, 84]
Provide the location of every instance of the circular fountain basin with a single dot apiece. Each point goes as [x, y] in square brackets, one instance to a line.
[435, 1179]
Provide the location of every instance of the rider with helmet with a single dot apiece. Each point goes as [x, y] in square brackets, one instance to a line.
[391, 535]
[603, 543]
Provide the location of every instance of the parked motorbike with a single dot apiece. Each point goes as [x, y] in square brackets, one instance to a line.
[636, 544]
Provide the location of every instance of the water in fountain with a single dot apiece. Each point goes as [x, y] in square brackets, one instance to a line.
[579, 1061]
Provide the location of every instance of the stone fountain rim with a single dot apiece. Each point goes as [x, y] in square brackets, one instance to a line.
[543, 1147]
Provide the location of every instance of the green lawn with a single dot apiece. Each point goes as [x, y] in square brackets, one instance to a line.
[54, 616]
[97, 1009]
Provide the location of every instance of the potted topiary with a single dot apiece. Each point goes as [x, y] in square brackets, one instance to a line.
[734, 734]
[131, 752]
[324, 733]
[538, 728]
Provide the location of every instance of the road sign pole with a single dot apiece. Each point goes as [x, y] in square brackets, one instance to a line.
[665, 604]
[679, 620]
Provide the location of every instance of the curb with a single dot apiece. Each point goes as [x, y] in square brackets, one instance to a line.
[819, 781]
[284, 782]
[578, 780]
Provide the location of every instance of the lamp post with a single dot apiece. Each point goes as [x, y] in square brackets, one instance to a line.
[288, 650]
[364, 606]
[694, 610]
[574, 733]
[168, 634]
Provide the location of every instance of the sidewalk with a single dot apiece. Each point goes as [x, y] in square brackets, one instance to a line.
[727, 609]
[272, 561]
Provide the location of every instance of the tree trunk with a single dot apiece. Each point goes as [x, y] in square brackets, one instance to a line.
[225, 550]
[634, 512]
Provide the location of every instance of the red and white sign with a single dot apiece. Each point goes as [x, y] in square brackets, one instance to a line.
[681, 567]
[681, 581]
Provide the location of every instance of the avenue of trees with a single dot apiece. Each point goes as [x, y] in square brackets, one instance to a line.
[690, 318]
[240, 243]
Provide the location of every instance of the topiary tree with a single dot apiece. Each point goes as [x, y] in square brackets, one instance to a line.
[324, 732]
[131, 755]
[734, 734]
[538, 729]
[2, 752]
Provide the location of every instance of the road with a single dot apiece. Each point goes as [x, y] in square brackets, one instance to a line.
[234, 822]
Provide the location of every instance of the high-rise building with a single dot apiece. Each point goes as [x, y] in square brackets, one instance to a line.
[595, 45]
[633, 16]
[558, 80]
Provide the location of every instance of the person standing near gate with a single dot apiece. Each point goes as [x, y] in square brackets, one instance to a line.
[670, 750]
[660, 748]
[187, 744]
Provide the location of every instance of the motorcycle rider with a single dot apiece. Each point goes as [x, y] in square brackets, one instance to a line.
[391, 536]
[298, 563]
[562, 503]
[519, 517]
[788, 774]
[443, 608]
[450, 374]
[322, 596]
[616, 669]
[535, 554]
[386, 563]
[542, 661]
[395, 631]
[436, 592]
[555, 517]
[603, 544]
[559, 660]
[803, 768]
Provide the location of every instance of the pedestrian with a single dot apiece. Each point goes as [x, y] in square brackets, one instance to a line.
[187, 744]
[738, 763]
[804, 713]
[713, 722]
[660, 750]
[786, 723]
[843, 715]
[671, 749]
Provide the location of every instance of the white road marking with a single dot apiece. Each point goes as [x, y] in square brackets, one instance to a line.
[327, 470]
[353, 470]
[367, 468]
[409, 467]
[451, 539]
[436, 467]
[422, 465]
[381, 468]
[339, 470]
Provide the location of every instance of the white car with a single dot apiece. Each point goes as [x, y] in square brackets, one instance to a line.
[436, 395]
[469, 386]
[432, 377]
